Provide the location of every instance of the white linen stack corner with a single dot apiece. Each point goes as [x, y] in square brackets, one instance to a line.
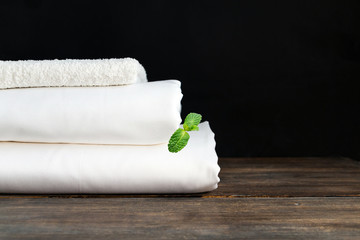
[96, 126]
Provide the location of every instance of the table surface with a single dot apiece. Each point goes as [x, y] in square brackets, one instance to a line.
[257, 198]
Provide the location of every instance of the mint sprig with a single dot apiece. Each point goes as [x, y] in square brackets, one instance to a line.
[191, 122]
[180, 137]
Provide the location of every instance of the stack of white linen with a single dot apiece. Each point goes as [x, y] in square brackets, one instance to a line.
[96, 126]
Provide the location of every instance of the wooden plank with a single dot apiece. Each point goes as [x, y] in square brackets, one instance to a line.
[274, 177]
[288, 177]
[180, 218]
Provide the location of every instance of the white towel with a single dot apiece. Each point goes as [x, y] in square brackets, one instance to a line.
[77, 169]
[70, 73]
[141, 114]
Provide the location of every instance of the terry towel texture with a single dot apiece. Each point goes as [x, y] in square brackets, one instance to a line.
[142, 114]
[70, 73]
[76, 169]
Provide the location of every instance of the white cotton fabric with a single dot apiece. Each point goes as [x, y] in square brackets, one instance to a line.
[78, 169]
[70, 73]
[141, 114]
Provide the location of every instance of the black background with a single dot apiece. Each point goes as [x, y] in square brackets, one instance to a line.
[273, 78]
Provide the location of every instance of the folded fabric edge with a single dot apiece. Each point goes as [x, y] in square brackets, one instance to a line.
[215, 157]
[208, 165]
[211, 162]
[162, 98]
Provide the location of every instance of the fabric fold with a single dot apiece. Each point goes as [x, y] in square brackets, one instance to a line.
[78, 169]
[140, 114]
[70, 73]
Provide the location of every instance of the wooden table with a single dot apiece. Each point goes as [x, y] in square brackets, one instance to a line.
[258, 198]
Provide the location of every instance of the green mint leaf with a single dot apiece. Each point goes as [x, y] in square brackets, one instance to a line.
[194, 128]
[191, 122]
[178, 140]
[180, 137]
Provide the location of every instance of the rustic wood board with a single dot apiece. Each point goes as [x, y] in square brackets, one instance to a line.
[258, 198]
[180, 218]
[289, 177]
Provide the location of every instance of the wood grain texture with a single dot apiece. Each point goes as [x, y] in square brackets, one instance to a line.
[180, 218]
[258, 198]
[288, 177]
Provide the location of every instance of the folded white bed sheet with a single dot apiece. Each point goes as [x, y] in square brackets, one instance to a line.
[76, 169]
[141, 114]
[70, 73]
